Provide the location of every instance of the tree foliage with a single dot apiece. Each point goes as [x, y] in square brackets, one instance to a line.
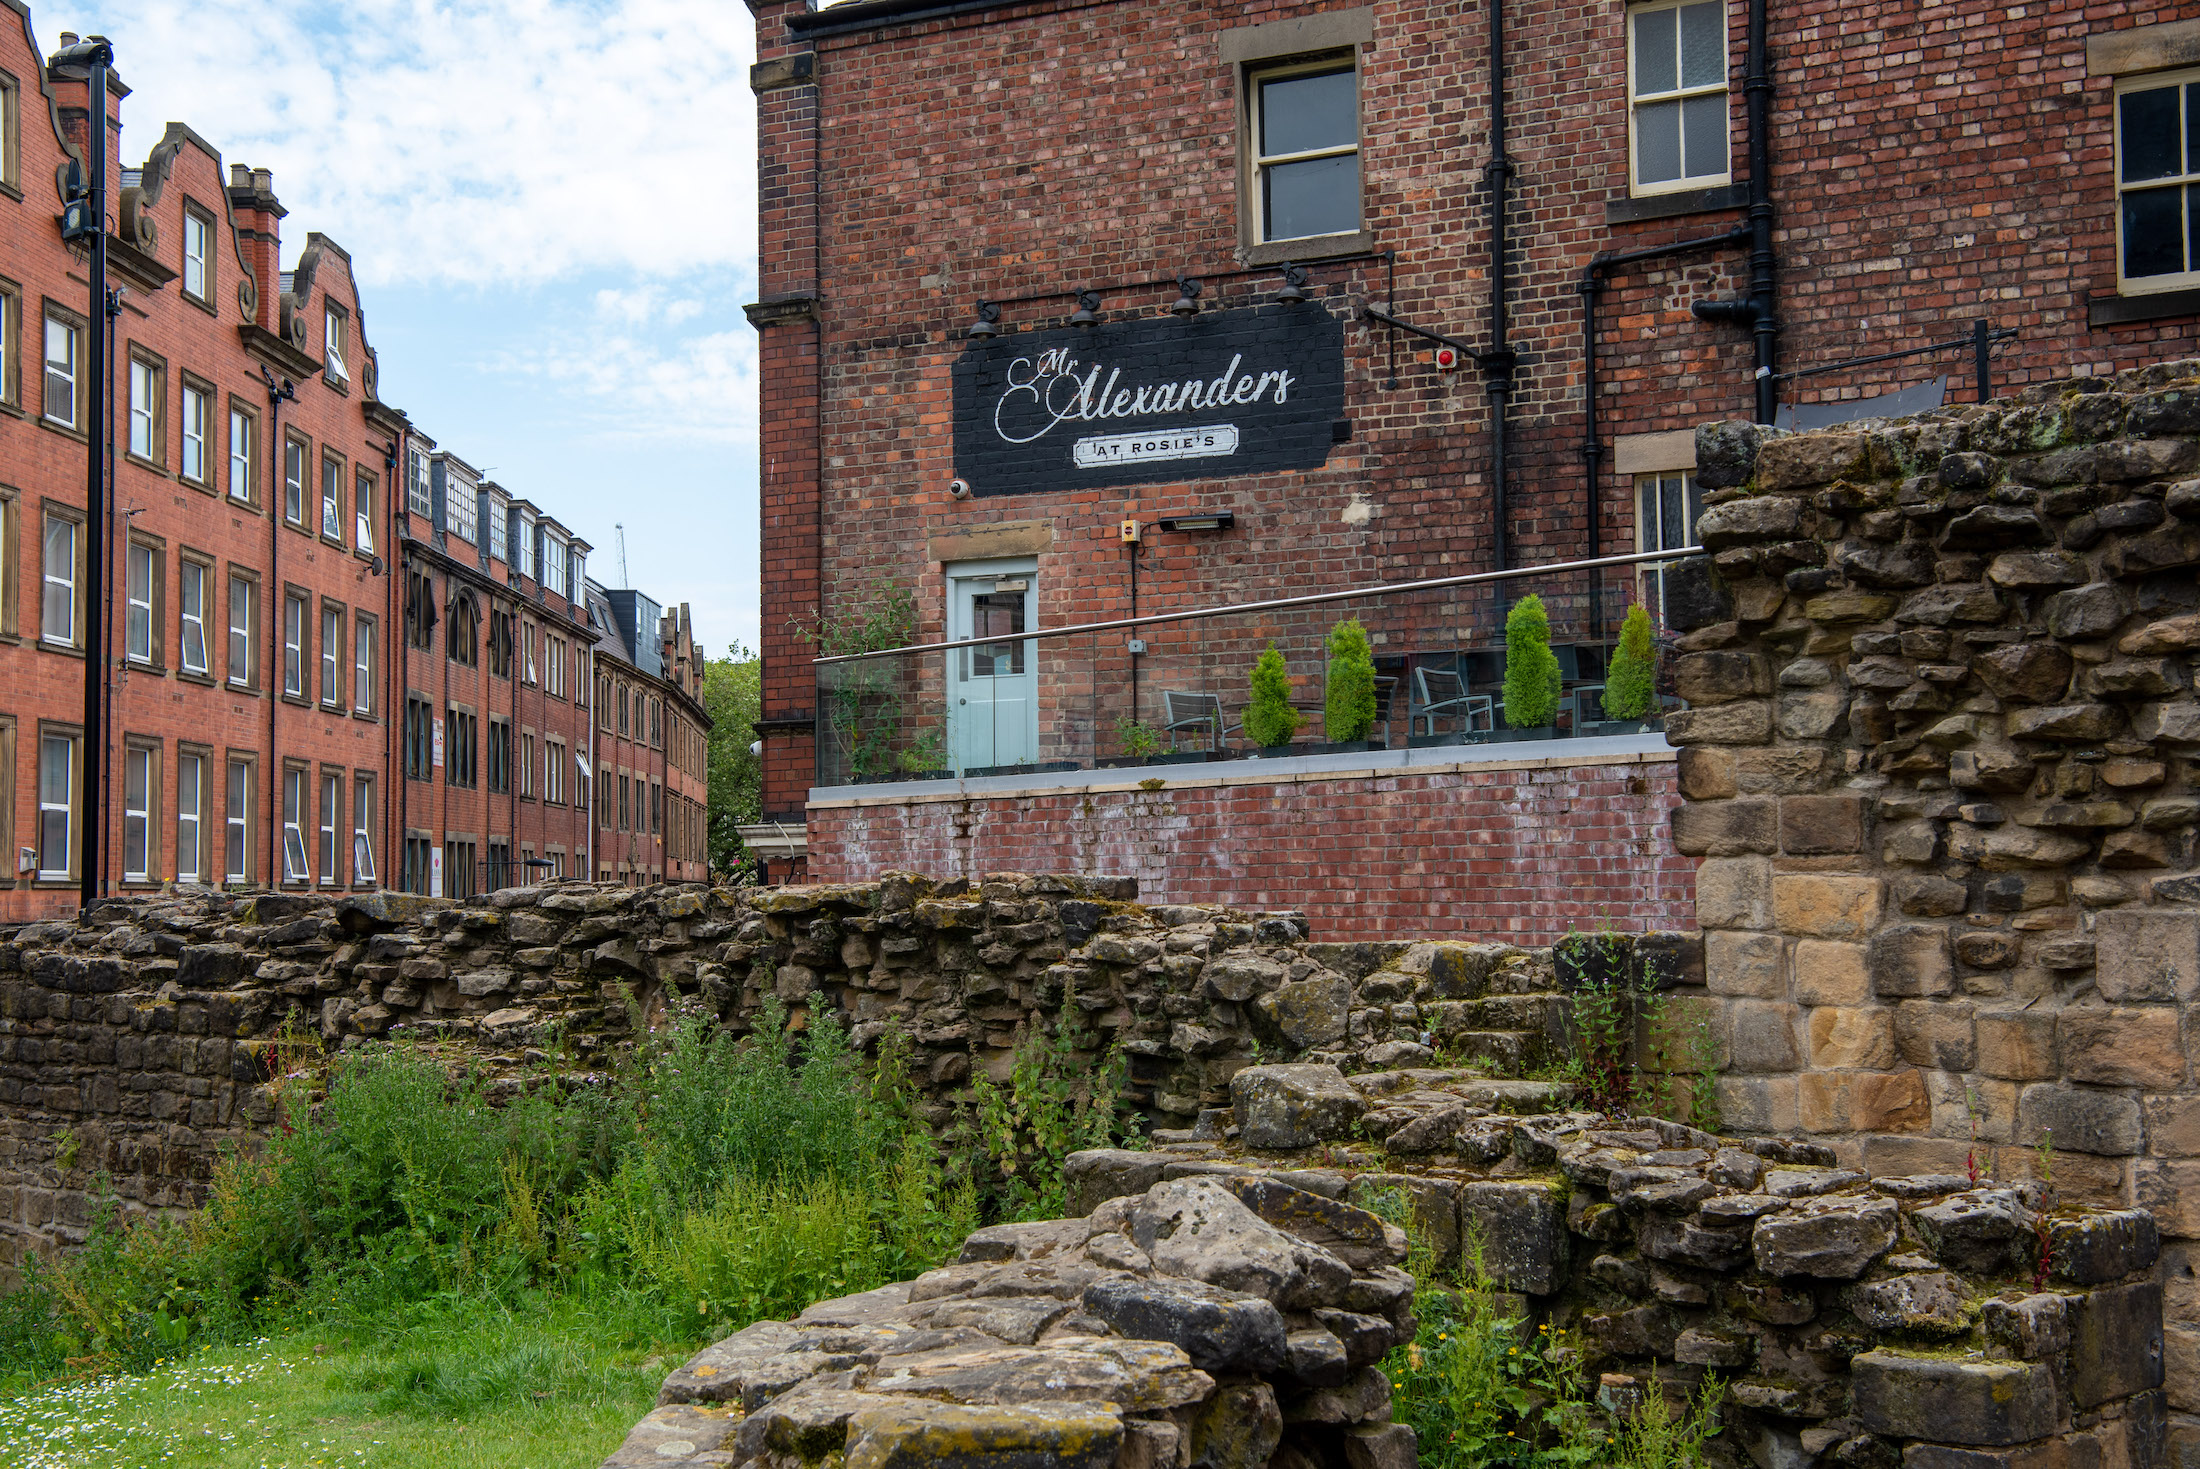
[1349, 711]
[1630, 683]
[1269, 719]
[733, 692]
[1532, 679]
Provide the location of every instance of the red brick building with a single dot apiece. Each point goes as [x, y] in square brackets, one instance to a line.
[939, 183]
[339, 658]
[652, 780]
[247, 706]
[494, 663]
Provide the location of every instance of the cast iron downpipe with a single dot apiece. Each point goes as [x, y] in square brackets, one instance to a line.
[1591, 286]
[1499, 362]
[1759, 310]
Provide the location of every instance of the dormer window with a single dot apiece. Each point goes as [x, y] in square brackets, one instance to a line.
[459, 510]
[332, 338]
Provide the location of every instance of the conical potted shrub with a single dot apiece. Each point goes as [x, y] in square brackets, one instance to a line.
[1270, 721]
[1532, 678]
[1348, 706]
[1630, 683]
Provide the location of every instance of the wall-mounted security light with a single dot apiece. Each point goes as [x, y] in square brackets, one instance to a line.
[1088, 309]
[1187, 300]
[1219, 520]
[958, 489]
[985, 327]
[1294, 284]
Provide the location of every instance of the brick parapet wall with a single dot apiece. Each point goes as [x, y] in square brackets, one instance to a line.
[1523, 851]
[1940, 766]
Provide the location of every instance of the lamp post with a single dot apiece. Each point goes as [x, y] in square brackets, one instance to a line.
[85, 218]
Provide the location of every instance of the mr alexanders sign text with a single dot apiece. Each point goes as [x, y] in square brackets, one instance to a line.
[1225, 393]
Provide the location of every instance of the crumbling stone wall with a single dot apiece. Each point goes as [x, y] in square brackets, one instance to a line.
[137, 1040]
[1223, 1302]
[1940, 765]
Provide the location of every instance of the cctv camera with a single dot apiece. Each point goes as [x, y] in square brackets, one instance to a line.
[959, 488]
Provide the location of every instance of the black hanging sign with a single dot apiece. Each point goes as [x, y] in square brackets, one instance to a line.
[1152, 400]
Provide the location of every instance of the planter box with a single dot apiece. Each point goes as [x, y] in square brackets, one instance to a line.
[896, 777]
[1598, 727]
[1339, 747]
[1514, 736]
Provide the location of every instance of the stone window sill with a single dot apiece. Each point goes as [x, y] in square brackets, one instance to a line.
[1626, 209]
[2154, 306]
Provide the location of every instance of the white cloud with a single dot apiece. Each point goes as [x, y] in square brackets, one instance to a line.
[630, 373]
[474, 142]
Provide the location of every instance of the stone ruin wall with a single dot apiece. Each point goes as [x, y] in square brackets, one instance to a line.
[136, 1042]
[1940, 763]
[1224, 1303]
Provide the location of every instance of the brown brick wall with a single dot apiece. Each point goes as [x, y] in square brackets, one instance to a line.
[1523, 852]
[1929, 167]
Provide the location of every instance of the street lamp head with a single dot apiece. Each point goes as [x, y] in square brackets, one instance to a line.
[89, 52]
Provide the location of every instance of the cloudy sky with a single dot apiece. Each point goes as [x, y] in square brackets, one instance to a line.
[550, 204]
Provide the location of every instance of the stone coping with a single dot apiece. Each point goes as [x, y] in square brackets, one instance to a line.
[1289, 770]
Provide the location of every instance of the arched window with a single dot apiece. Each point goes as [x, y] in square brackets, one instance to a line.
[464, 634]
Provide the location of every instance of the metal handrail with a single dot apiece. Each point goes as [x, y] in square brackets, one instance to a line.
[1474, 578]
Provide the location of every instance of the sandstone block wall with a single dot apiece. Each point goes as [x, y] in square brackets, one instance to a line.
[1223, 1303]
[136, 1041]
[1940, 767]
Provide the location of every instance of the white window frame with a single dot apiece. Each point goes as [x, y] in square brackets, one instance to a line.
[332, 342]
[191, 815]
[137, 812]
[362, 491]
[553, 555]
[137, 592]
[2146, 285]
[1650, 531]
[332, 657]
[240, 634]
[419, 486]
[332, 818]
[461, 509]
[1260, 162]
[241, 429]
[295, 866]
[188, 622]
[295, 474]
[66, 370]
[237, 823]
[362, 835]
[194, 433]
[332, 498]
[499, 532]
[362, 666]
[49, 581]
[144, 409]
[198, 251]
[294, 644]
[64, 809]
[1637, 100]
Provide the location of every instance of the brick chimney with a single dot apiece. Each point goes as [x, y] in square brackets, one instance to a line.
[259, 215]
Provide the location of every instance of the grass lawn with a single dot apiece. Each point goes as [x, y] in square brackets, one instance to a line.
[481, 1391]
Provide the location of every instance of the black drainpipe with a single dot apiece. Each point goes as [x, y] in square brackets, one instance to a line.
[1591, 285]
[1499, 362]
[1759, 310]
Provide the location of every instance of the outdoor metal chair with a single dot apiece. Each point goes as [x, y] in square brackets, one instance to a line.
[1442, 694]
[1588, 702]
[1184, 712]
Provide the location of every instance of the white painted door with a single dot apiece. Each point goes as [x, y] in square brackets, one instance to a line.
[992, 689]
